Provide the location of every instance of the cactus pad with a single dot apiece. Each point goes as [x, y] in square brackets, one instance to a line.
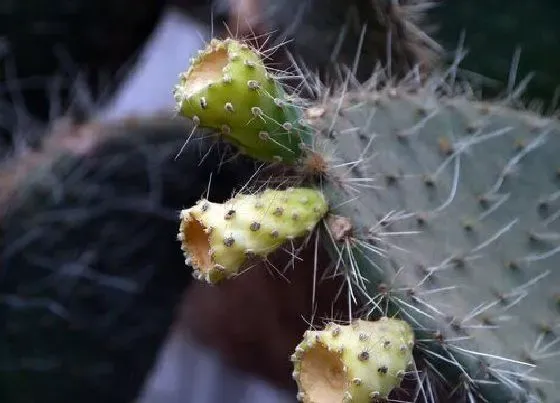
[358, 363]
[229, 89]
[218, 238]
[453, 224]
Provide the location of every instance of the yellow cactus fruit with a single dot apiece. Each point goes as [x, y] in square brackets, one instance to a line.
[218, 238]
[361, 362]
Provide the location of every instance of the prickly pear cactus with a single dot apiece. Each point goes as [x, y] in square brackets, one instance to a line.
[445, 212]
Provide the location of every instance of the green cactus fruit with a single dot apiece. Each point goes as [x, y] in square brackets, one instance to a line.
[360, 362]
[218, 238]
[229, 89]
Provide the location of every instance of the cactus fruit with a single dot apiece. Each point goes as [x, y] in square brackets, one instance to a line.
[360, 362]
[228, 88]
[218, 238]
[444, 211]
[89, 284]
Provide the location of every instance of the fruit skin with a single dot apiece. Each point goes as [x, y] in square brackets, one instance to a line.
[366, 359]
[90, 269]
[218, 238]
[228, 88]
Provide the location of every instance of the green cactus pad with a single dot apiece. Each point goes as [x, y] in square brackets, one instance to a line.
[360, 362]
[218, 238]
[228, 88]
[449, 216]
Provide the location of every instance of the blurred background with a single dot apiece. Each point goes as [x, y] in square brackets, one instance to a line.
[104, 61]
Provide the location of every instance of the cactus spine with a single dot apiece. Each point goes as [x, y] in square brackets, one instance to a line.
[444, 211]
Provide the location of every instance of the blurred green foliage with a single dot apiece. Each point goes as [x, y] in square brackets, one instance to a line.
[494, 29]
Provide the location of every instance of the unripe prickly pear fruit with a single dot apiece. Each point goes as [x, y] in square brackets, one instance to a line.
[228, 88]
[218, 238]
[360, 362]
